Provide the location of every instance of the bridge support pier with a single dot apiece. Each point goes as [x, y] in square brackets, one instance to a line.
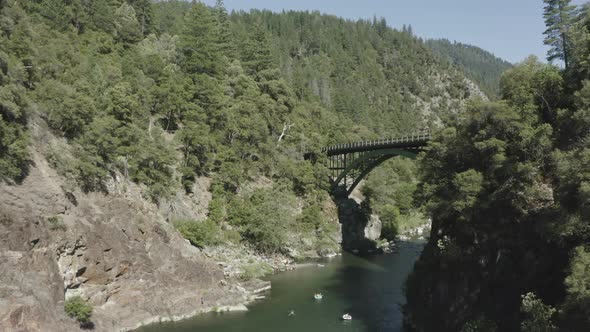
[355, 218]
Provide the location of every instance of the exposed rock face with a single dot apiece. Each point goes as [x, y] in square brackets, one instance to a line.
[115, 250]
[355, 226]
[373, 228]
[360, 228]
[194, 206]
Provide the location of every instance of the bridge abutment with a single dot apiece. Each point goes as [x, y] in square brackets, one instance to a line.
[360, 228]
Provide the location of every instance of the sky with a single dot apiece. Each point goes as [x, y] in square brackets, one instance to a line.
[510, 29]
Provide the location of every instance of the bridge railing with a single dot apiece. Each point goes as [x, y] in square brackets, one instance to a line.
[416, 138]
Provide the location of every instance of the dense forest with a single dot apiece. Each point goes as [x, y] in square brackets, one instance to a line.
[507, 185]
[162, 93]
[479, 65]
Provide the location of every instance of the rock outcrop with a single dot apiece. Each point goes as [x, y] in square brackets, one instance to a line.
[116, 250]
[360, 228]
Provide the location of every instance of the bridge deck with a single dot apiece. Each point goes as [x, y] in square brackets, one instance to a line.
[406, 142]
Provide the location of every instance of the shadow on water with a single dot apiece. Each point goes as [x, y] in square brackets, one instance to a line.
[368, 287]
[372, 286]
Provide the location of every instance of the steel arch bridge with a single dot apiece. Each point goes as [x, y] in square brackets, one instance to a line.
[349, 163]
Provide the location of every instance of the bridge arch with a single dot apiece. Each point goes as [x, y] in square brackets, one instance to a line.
[350, 163]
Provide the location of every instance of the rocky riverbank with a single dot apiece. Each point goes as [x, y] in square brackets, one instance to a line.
[118, 251]
[421, 232]
[115, 250]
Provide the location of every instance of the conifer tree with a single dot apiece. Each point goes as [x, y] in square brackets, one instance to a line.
[558, 19]
[198, 42]
[126, 26]
[257, 55]
[225, 38]
[100, 14]
[144, 12]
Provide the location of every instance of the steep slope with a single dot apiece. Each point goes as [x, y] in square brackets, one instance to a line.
[381, 78]
[116, 250]
[481, 66]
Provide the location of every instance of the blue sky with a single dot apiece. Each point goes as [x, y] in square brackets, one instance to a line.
[511, 29]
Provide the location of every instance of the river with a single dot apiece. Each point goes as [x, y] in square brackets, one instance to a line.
[368, 288]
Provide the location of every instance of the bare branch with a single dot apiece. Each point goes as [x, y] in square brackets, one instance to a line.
[286, 128]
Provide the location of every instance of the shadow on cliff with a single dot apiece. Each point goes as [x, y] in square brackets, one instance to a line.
[354, 218]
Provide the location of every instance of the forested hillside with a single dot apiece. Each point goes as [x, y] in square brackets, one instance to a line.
[508, 188]
[163, 93]
[479, 65]
[384, 79]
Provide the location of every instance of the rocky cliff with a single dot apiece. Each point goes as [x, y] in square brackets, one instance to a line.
[116, 250]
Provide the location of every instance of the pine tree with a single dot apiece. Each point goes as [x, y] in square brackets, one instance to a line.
[198, 42]
[558, 19]
[256, 53]
[225, 37]
[128, 29]
[100, 14]
[145, 15]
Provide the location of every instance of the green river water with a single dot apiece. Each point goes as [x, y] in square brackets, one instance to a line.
[368, 288]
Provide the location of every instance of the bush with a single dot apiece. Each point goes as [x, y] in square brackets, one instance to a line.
[390, 217]
[255, 270]
[56, 224]
[480, 325]
[264, 218]
[200, 234]
[537, 314]
[79, 309]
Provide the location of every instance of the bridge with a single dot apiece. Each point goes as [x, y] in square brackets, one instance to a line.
[349, 163]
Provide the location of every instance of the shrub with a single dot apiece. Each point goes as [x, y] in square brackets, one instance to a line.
[390, 217]
[537, 314]
[200, 234]
[56, 224]
[264, 218]
[79, 309]
[255, 270]
[479, 325]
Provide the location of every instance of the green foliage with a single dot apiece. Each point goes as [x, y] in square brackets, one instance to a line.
[480, 325]
[538, 315]
[347, 66]
[390, 191]
[467, 185]
[14, 154]
[256, 53]
[534, 89]
[311, 216]
[200, 53]
[144, 15]
[558, 17]
[264, 217]
[79, 309]
[14, 104]
[200, 234]
[578, 291]
[168, 15]
[160, 93]
[508, 187]
[255, 270]
[127, 28]
[389, 216]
